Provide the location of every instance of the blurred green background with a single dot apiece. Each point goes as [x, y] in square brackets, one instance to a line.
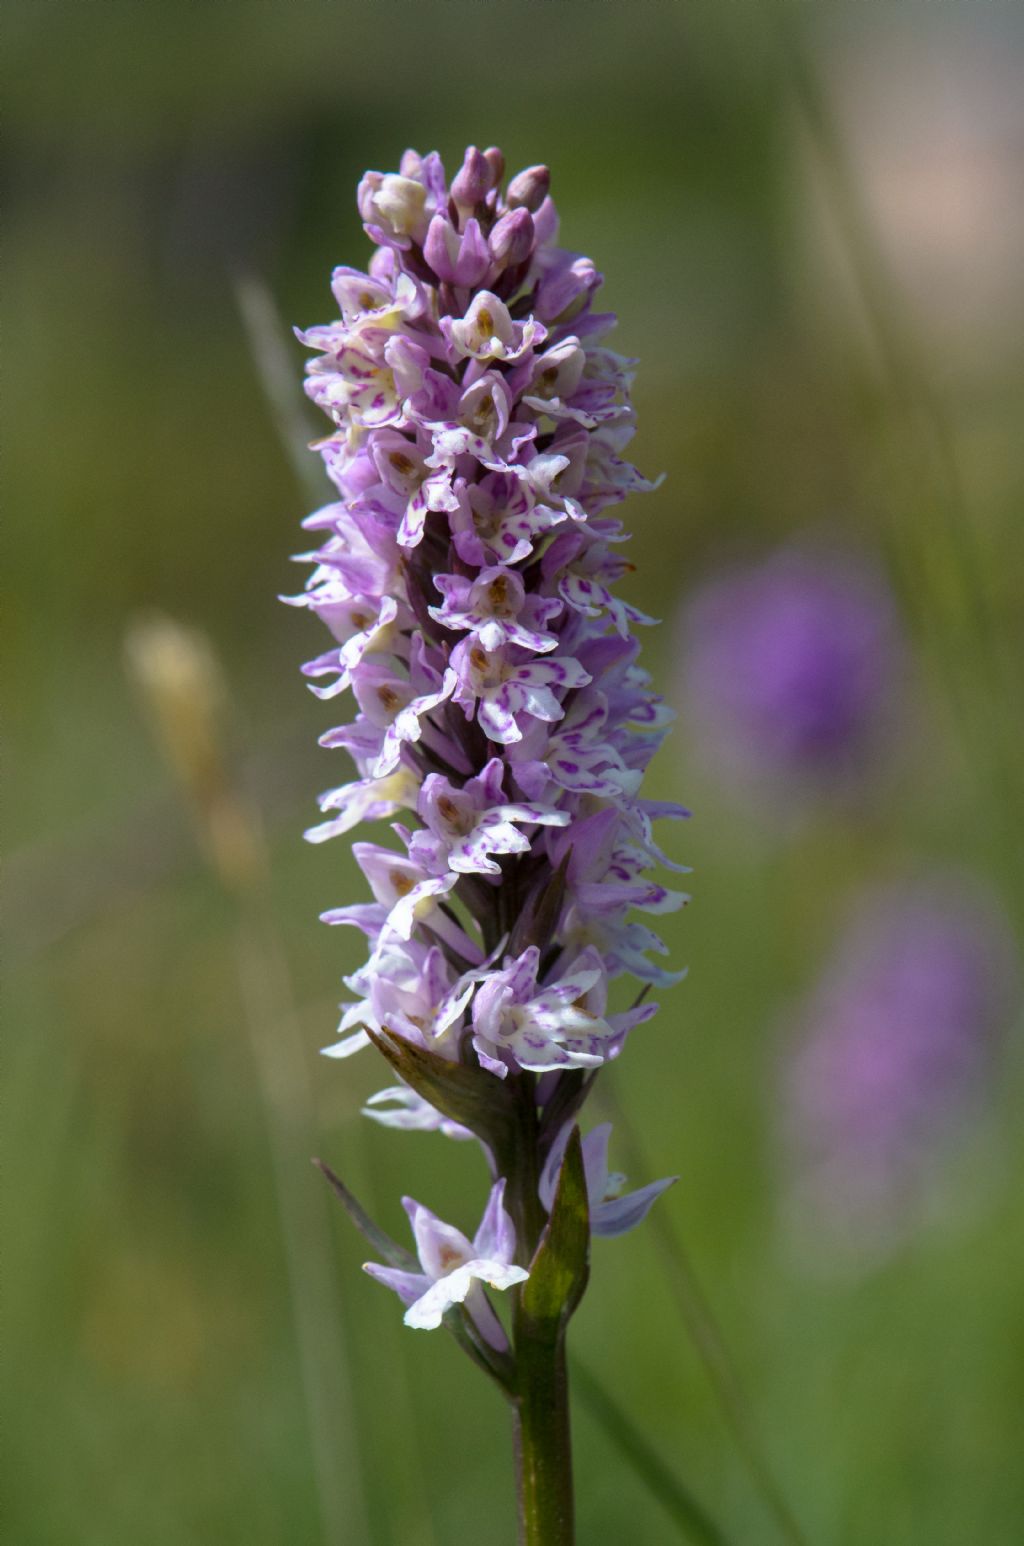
[813, 235]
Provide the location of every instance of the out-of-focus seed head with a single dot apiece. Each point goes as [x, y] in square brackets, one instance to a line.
[185, 695]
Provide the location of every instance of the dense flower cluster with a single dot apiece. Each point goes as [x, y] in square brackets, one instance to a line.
[898, 1042]
[466, 571]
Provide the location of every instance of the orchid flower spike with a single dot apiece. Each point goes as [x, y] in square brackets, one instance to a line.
[466, 569]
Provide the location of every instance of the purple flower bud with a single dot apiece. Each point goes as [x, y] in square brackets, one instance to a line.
[457, 260]
[566, 286]
[528, 189]
[511, 241]
[897, 1048]
[496, 162]
[473, 181]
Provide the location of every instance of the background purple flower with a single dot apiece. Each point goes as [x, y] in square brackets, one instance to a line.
[896, 1049]
[790, 667]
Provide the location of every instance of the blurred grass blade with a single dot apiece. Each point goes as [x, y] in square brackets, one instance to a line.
[930, 538]
[185, 695]
[279, 376]
[375, 1237]
[706, 1336]
[689, 1516]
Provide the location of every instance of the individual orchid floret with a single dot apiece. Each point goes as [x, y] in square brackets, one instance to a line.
[479, 426]
[495, 158]
[464, 827]
[575, 755]
[582, 567]
[555, 476]
[400, 1107]
[394, 208]
[516, 1022]
[497, 610]
[356, 386]
[556, 374]
[498, 521]
[408, 988]
[566, 286]
[613, 1211]
[368, 799]
[487, 331]
[409, 894]
[401, 708]
[504, 690]
[406, 472]
[374, 621]
[361, 298]
[455, 1269]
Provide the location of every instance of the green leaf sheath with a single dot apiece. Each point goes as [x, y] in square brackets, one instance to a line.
[561, 1262]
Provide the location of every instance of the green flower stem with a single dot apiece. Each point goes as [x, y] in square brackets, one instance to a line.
[540, 1401]
[543, 1447]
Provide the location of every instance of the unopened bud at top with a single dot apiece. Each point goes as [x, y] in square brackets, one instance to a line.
[472, 182]
[529, 188]
[496, 162]
[394, 203]
[511, 241]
